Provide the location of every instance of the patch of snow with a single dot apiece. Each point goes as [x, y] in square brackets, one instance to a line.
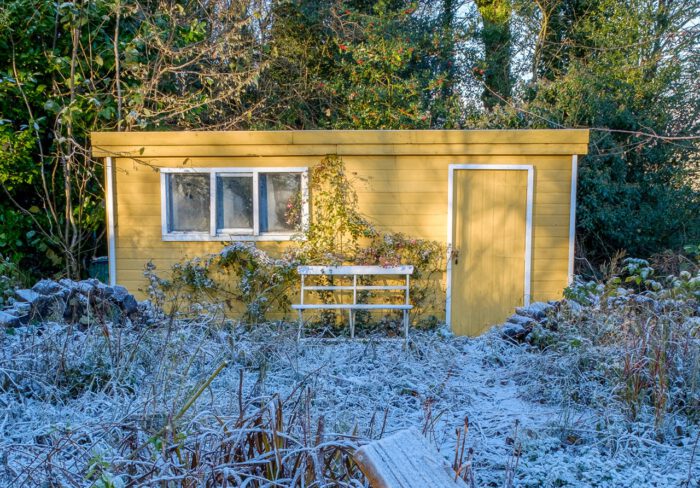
[433, 384]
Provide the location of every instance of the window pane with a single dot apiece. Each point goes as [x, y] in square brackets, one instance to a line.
[234, 206]
[189, 202]
[280, 202]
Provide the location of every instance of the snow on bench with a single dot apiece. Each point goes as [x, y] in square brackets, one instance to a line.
[354, 271]
[405, 460]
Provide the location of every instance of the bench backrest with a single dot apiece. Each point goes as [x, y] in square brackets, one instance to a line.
[355, 270]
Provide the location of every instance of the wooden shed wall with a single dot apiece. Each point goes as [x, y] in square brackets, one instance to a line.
[401, 178]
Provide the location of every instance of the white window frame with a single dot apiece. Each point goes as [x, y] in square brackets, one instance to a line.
[215, 234]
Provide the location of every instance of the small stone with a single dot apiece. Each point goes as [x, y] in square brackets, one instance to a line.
[27, 295]
[130, 305]
[47, 287]
[22, 311]
[67, 283]
[515, 332]
[22, 308]
[104, 290]
[521, 320]
[125, 300]
[537, 310]
[87, 287]
[120, 292]
[9, 320]
[48, 305]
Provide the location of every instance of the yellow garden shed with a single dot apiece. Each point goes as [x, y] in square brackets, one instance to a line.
[502, 201]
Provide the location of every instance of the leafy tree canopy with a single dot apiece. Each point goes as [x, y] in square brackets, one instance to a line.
[625, 69]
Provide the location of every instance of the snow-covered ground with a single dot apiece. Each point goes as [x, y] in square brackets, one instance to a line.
[495, 385]
[372, 385]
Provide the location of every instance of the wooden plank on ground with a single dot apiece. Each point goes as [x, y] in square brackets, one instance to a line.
[405, 460]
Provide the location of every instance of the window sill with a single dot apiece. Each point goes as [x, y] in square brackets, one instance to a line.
[196, 237]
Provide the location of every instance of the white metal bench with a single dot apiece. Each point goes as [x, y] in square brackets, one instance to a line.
[354, 272]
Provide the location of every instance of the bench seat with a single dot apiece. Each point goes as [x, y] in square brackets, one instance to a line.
[350, 306]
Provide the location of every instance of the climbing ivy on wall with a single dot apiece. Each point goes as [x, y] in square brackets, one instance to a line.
[247, 281]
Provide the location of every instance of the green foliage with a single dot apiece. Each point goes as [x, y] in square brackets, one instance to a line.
[68, 68]
[625, 69]
[358, 65]
[693, 250]
[11, 278]
[263, 284]
[20, 243]
[379, 73]
[18, 173]
[622, 69]
[337, 226]
[16, 165]
[49, 96]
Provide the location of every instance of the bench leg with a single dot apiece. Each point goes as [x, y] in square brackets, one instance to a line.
[352, 323]
[405, 324]
[301, 325]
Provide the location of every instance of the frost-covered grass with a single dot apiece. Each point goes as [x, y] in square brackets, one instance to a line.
[191, 403]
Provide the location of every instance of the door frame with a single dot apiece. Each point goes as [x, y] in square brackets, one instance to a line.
[528, 224]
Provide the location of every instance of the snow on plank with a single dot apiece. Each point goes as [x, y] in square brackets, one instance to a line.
[405, 460]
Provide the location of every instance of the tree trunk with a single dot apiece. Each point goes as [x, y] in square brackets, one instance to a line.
[497, 39]
[447, 61]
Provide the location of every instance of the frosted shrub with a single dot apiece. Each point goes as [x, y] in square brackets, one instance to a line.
[161, 405]
[10, 278]
[638, 335]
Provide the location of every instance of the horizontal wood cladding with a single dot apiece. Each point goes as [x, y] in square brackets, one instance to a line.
[437, 175]
[546, 295]
[401, 179]
[435, 209]
[339, 137]
[353, 163]
[391, 192]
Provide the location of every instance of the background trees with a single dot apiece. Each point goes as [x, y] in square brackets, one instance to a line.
[624, 69]
[72, 67]
[627, 69]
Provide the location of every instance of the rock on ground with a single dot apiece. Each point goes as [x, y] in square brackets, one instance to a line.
[70, 301]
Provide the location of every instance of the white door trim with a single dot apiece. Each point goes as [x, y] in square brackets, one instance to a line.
[528, 224]
[572, 217]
